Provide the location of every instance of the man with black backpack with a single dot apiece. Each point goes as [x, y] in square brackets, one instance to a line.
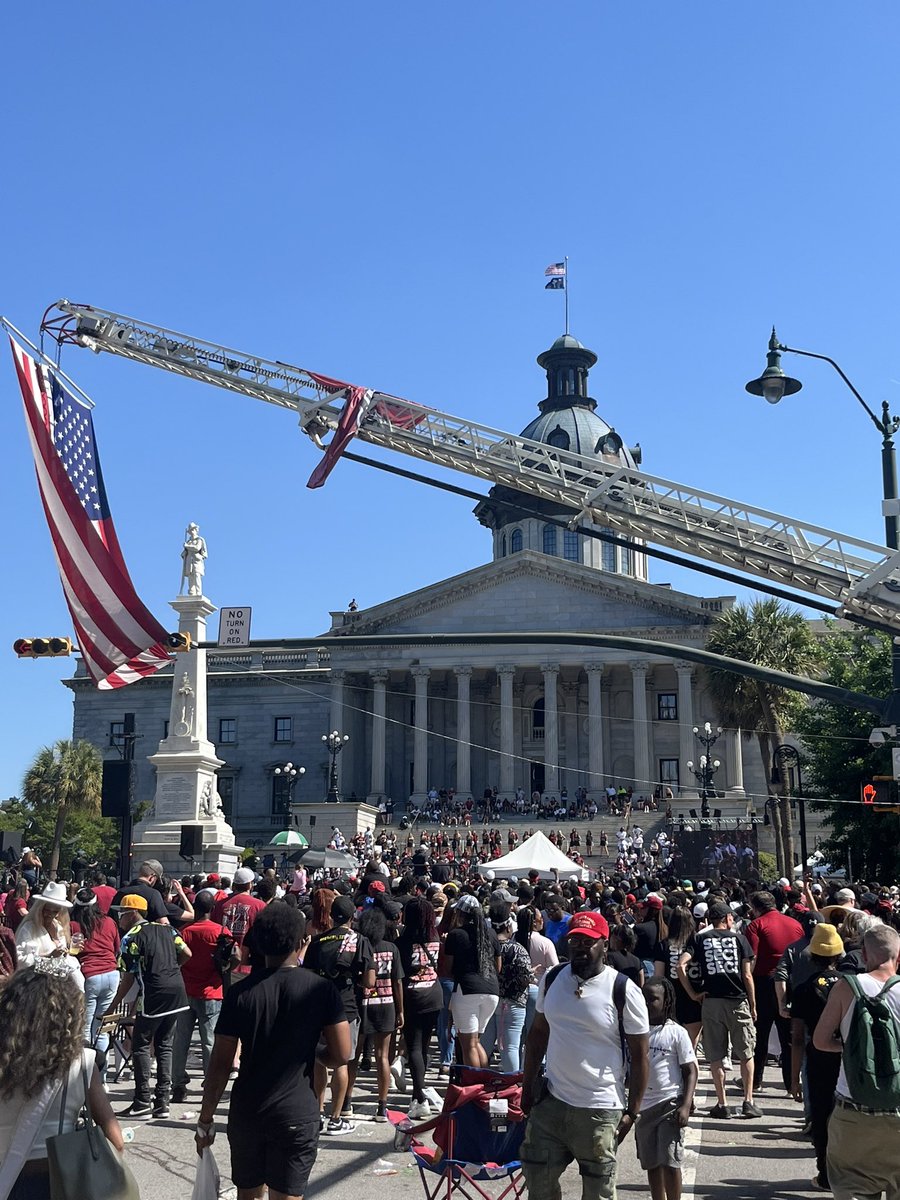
[861, 1021]
[591, 1024]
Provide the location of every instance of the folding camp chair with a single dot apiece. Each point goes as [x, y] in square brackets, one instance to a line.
[118, 1025]
[468, 1152]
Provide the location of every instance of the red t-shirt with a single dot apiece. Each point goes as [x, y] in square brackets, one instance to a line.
[769, 936]
[14, 909]
[237, 914]
[100, 953]
[104, 894]
[201, 979]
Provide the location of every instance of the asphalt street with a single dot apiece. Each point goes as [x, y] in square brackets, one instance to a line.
[737, 1159]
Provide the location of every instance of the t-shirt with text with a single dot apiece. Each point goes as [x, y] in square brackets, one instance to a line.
[719, 955]
[344, 957]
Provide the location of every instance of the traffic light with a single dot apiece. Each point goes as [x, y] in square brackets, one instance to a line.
[55, 647]
[881, 795]
[869, 792]
[179, 642]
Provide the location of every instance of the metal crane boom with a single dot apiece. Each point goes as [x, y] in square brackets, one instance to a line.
[862, 577]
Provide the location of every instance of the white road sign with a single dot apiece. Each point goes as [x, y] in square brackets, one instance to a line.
[234, 626]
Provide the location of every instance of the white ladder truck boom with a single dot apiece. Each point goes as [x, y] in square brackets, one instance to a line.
[862, 578]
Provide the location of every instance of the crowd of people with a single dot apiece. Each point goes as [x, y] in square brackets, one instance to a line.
[600, 993]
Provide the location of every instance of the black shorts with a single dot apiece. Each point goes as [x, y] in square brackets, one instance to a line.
[379, 1018]
[272, 1150]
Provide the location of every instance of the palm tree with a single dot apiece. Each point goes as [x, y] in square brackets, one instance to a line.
[67, 776]
[768, 634]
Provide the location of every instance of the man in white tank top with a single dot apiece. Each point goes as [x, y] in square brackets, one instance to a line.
[863, 1143]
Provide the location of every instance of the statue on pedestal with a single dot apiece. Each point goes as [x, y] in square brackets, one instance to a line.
[193, 559]
[184, 727]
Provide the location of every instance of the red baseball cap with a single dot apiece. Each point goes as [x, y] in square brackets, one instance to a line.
[588, 924]
[212, 877]
[376, 886]
[653, 901]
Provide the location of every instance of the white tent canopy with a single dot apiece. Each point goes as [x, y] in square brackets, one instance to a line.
[536, 853]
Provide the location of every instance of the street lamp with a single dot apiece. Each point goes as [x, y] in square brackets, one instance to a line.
[705, 770]
[773, 384]
[787, 758]
[291, 774]
[334, 744]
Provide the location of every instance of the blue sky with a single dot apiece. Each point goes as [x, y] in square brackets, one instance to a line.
[373, 191]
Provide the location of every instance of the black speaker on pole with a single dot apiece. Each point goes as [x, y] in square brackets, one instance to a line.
[115, 790]
[11, 845]
[312, 820]
[191, 841]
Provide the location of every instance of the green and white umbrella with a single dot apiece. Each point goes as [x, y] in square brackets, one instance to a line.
[289, 837]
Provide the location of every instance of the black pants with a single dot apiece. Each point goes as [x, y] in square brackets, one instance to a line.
[418, 1028]
[822, 1070]
[766, 1017]
[161, 1032]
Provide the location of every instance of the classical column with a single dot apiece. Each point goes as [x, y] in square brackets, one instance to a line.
[420, 747]
[595, 729]
[551, 730]
[379, 728]
[735, 763]
[336, 717]
[643, 784]
[507, 763]
[685, 673]
[463, 733]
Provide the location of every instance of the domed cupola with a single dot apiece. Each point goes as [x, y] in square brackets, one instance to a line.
[568, 420]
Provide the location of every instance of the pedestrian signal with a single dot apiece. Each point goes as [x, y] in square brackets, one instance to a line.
[869, 792]
[880, 794]
[43, 647]
[179, 642]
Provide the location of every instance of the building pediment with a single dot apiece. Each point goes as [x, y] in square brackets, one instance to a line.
[530, 591]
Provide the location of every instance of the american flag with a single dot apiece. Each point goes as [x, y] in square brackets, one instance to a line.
[556, 269]
[119, 640]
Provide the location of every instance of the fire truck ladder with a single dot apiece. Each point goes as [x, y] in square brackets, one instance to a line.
[863, 578]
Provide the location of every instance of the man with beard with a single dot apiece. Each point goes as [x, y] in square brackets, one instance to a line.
[588, 1020]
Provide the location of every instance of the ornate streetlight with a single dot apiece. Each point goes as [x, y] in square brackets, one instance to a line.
[334, 744]
[705, 769]
[787, 758]
[291, 774]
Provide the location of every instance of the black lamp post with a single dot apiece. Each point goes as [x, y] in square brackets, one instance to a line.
[705, 769]
[290, 773]
[334, 744]
[787, 758]
[773, 385]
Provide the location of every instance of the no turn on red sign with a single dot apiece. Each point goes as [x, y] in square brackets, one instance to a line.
[234, 626]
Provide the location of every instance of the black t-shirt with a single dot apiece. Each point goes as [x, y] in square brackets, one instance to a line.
[156, 906]
[718, 954]
[809, 997]
[278, 1014]
[344, 957]
[460, 945]
[628, 964]
[421, 987]
[647, 934]
[668, 954]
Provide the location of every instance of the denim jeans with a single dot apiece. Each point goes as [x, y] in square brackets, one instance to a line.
[505, 1029]
[160, 1031]
[203, 1014]
[99, 991]
[446, 1038]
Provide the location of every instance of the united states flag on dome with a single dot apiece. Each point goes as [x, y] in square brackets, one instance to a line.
[118, 638]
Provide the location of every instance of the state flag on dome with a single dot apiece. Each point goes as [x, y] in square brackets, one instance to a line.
[118, 638]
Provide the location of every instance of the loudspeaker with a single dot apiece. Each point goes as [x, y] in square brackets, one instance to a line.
[312, 820]
[191, 841]
[114, 793]
[11, 845]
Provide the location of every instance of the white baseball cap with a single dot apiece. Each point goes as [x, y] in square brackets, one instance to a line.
[244, 875]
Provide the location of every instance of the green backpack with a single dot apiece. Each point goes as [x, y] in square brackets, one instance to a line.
[872, 1049]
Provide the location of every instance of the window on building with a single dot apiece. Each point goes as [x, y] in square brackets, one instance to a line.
[281, 788]
[225, 788]
[558, 438]
[667, 706]
[503, 546]
[117, 734]
[668, 772]
[549, 539]
[284, 729]
[537, 720]
[570, 545]
[515, 541]
[166, 728]
[627, 561]
[228, 730]
[608, 556]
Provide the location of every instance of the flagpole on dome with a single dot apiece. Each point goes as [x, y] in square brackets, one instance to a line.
[46, 360]
[566, 289]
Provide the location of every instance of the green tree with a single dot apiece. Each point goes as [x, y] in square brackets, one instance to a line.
[838, 758]
[768, 634]
[63, 783]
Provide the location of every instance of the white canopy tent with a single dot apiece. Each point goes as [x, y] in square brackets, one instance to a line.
[536, 853]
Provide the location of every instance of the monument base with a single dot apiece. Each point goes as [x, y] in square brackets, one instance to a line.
[162, 840]
[316, 821]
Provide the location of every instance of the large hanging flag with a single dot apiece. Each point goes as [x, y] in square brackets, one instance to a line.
[352, 414]
[557, 271]
[118, 638]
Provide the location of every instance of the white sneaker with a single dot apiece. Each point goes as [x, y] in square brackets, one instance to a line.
[398, 1074]
[419, 1111]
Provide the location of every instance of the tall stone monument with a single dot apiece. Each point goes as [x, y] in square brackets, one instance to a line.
[186, 761]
